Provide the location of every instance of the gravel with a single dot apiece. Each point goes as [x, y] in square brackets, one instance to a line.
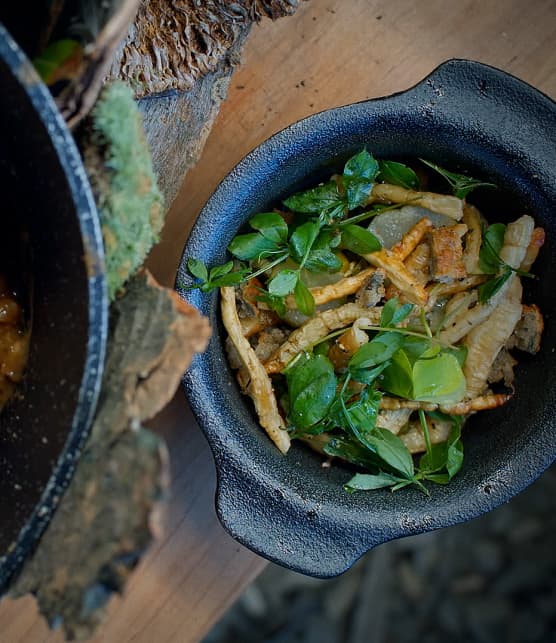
[490, 580]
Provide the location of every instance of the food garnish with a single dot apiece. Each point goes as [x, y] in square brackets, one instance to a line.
[369, 318]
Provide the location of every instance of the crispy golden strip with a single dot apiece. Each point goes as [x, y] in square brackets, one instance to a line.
[473, 240]
[315, 329]
[343, 288]
[485, 341]
[446, 255]
[479, 403]
[418, 263]
[393, 419]
[451, 206]
[399, 275]
[517, 238]
[411, 239]
[536, 243]
[259, 388]
[414, 440]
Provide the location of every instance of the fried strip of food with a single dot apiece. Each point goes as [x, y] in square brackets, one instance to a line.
[418, 263]
[399, 275]
[479, 403]
[485, 341]
[473, 238]
[528, 331]
[411, 239]
[414, 440]
[260, 387]
[446, 254]
[315, 329]
[343, 288]
[536, 243]
[517, 238]
[438, 291]
[451, 206]
[516, 241]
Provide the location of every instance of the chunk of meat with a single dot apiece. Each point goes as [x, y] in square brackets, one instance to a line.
[528, 331]
[268, 341]
[372, 292]
[502, 369]
[446, 254]
[349, 343]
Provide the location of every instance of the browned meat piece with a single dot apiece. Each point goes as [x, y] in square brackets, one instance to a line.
[446, 254]
[502, 368]
[269, 341]
[528, 331]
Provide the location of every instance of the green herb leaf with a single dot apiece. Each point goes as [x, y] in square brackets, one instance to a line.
[321, 258]
[271, 225]
[349, 449]
[359, 240]
[249, 247]
[312, 388]
[302, 240]
[393, 314]
[367, 375]
[392, 451]
[197, 268]
[368, 482]
[304, 299]
[439, 379]
[461, 184]
[489, 255]
[358, 178]
[316, 200]
[397, 378]
[446, 458]
[283, 283]
[274, 302]
[230, 279]
[487, 290]
[218, 271]
[398, 174]
[380, 349]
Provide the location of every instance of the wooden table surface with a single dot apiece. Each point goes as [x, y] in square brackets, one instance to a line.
[330, 53]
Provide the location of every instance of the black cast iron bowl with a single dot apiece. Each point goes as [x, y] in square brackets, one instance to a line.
[45, 194]
[464, 115]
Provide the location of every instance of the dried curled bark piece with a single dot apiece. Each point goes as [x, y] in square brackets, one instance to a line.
[172, 43]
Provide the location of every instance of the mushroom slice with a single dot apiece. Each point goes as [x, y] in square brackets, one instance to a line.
[451, 206]
[485, 341]
[259, 387]
[316, 329]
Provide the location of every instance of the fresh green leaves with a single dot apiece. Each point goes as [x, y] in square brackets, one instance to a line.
[312, 388]
[461, 184]
[271, 225]
[283, 283]
[323, 198]
[489, 255]
[359, 240]
[442, 461]
[217, 277]
[398, 174]
[491, 263]
[333, 199]
[270, 238]
[358, 178]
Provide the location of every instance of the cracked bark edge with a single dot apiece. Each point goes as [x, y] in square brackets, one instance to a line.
[105, 519]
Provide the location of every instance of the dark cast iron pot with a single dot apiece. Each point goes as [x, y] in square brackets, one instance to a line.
[46, 197]
[466, 116]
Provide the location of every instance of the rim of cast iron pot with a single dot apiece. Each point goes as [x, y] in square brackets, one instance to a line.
[274, 505]
[91, 237]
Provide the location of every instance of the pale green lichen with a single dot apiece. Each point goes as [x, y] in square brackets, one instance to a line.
[129, 201]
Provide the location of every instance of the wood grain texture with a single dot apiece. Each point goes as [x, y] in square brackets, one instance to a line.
[331, 52]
